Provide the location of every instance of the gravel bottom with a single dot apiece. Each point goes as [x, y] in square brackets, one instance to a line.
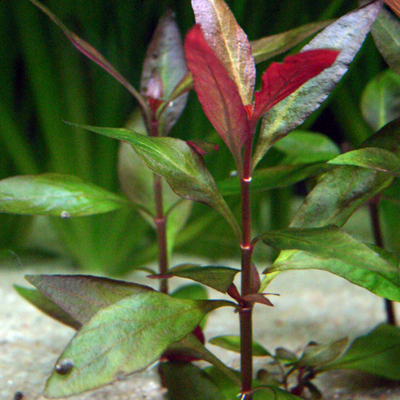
[312, 305]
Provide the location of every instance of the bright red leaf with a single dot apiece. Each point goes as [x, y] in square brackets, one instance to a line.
[282, 79]
[217, 93]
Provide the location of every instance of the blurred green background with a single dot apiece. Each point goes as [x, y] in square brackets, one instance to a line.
[45, 81]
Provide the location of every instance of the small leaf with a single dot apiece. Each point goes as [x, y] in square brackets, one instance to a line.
[44, 304]
[165, 56]
[257, 298]
[232, 343]
[217, 93]
[386, 34]
[281, 80]
[346, 35]
[376, 353]
[193, 291]
[124, 338]
[218, 278]
[372, 158]
[55, 195]
[271, 46]
[228, 42]
[82, 296]
[317, 356]
[179, 164]
[380, 99]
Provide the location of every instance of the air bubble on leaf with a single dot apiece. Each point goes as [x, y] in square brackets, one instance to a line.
[233, 173]
[65, 214]
[64, 367]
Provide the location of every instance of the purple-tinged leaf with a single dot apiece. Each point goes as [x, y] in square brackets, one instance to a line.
[55, 195]
[216, 277]
[257, 298]
[280, 80]
[46, 305]
[271, 46]
[124, 338]
[165, 59]
[180, 165]
[394, 5]
[217, 93]
[82, 296]
[228, 42]
[90, 52]
[345, 35]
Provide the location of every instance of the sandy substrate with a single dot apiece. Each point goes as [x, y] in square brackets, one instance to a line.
[312, 305]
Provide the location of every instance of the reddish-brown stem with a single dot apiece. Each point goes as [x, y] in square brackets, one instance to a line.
[377, 232]
[245, 313]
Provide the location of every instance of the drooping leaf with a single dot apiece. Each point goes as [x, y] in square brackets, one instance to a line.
[372, 158]
[376, 353]
[380, 101]
[82, 296]
[346, 35]
[228, 42]
[125, 337]
[216, 277]
[282, 79]
[232, 343]
[55, 195]
[317, 356]
[186, 381]
[270, 46]
[90, 52]
[217, 93]
[335, 251]
[165, 56]
[179, 164]
[386, 33]
[46, 305]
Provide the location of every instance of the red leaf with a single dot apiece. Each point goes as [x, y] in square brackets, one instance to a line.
[281, 80]
[258, 298]
[217, 93]
[394, 5]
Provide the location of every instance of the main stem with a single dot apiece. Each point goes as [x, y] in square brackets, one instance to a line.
[246, 310]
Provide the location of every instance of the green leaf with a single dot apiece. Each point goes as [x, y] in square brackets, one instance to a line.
[55, 195]
[232, 343]
[346, 35]
[44, 304]
[193, 291]
[380, 99]
[335, 251]
[270, 392]
[179, 164]
[227, 385]
[82, 296]
[216, 277]
[124, 338]
[376, 353]
[372, 158]
[317, 356]
[186, 381]
[165, 57]
[386, 33]
[272, 178]
[271, 46]
[302, 147]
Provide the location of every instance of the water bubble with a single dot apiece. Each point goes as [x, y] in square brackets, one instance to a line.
[65, 214]
[233, 173]
[63, 367]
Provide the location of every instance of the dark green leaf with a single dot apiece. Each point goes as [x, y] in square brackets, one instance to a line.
[318, 355]
[376, 353]
[186, 381]
[44, 304]
[380, 101]
[82, 296]
[271, 46]
[372, 158]
[55, 195]
[228, 386]
[124, 338]
[232, 343]
[179, 164]
[346, 34]
[386, 33]
[270, 392]
[216, 277]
